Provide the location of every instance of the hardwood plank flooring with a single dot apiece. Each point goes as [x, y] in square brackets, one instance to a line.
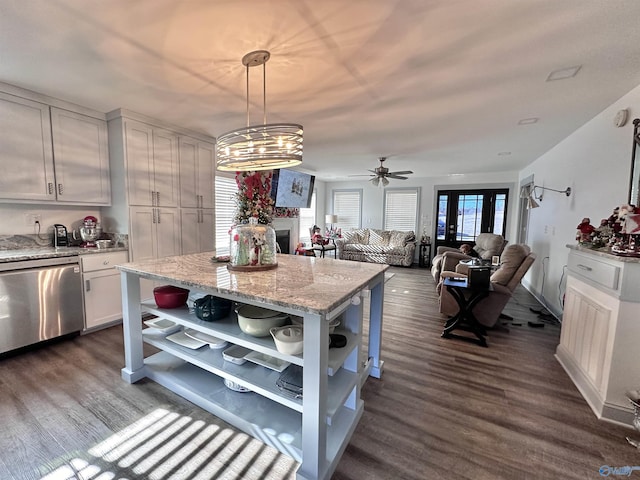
[443, 409]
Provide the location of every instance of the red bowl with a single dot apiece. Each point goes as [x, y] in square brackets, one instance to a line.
[169, 296]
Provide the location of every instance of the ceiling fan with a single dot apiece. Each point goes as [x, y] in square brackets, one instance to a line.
[383, 174]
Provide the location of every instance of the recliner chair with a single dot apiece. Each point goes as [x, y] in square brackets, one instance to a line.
[514, 264]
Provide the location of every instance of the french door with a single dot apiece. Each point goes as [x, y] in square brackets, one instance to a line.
[464, 214]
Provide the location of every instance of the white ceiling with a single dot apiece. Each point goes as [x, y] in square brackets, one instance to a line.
[437, 86]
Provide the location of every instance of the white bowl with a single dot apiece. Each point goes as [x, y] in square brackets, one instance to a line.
[289, 340]
[103, 243]
[257, 321]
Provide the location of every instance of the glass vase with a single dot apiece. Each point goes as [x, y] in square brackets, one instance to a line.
[252, 247]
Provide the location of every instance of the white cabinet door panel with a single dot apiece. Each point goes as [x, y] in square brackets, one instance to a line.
[206, 172]
[189, 230]
[26, 156]
[142, 238]
[81, 158]
[139, 143]
[165, 168]
[188, 173]
[102, 297]
[206, 229]
[167, 232]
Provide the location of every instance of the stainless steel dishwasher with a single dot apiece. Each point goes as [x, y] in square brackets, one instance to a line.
[39, 300]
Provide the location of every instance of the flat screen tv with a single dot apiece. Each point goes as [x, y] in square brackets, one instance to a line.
[291, 189]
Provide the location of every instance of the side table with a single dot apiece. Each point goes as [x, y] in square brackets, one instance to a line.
[467, 298]
[424, 255]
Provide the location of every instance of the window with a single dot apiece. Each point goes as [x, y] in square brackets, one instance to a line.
[347, 205]
[401, 209]
[226, 189]
[307, 220]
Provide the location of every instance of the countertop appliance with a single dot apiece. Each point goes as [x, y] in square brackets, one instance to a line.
[90, 231]
[60, 237]
[39, 300]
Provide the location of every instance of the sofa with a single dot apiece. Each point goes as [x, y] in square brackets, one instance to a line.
[446, 258]
[392, 247]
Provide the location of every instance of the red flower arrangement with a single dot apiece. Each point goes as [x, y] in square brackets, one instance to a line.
[253, 199]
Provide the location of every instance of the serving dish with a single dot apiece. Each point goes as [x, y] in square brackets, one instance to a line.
[214, 342]
[257, 321]
[181, 338]
[236, 354]
[162, 325]
[169, 296]
[288, 339]
[267, 361]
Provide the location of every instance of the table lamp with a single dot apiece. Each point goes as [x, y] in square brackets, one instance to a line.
[331, 219]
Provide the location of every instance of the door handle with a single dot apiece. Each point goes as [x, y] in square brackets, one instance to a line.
[87, 285]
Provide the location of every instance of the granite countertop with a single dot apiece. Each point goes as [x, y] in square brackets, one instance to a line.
[604, 252]
[37, 253]
[310, 284]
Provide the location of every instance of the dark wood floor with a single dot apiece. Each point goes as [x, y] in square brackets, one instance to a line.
[443, 409]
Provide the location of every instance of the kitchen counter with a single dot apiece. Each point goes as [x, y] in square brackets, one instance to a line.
[22, 254]
[314, 429]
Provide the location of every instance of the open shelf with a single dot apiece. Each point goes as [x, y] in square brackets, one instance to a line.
[258, 379]
[229, 330]
[266, 420]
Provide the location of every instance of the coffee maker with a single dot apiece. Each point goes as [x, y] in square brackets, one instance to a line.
[60, 238]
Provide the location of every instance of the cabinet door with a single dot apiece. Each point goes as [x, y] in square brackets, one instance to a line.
[167, 232]
[81, 158]
[102, 297]
[206, 235]
[189, 218]
[206, 172]
[139, 142]
[26, 156]
[143, 232]
[188, 172]
[165, 168]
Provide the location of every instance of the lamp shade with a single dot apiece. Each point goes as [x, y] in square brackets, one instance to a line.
[331, 219]
[531, 203]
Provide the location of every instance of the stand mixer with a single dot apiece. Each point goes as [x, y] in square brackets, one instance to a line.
[90, 231]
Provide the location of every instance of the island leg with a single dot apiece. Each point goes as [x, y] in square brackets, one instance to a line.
[132, 328]
[375, 327]
[314, 400]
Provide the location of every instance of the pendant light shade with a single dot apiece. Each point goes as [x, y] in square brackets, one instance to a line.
[259, 147]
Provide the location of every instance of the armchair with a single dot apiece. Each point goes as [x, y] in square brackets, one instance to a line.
[446, 258]
[514, 263]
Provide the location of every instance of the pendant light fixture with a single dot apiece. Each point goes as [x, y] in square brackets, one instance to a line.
[259, 147]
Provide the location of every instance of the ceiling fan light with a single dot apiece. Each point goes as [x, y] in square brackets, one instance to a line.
[385, 182]
[375, 181]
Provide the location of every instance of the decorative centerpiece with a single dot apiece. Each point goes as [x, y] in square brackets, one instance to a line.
[252, 239]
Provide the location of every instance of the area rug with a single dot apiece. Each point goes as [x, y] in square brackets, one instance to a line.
[388, 276]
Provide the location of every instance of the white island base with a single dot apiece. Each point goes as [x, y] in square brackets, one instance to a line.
[313, 430]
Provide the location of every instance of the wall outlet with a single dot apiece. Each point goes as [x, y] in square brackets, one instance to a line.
[32, 218]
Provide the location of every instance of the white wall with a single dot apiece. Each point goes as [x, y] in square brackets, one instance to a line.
[595, 162]
[373, 197]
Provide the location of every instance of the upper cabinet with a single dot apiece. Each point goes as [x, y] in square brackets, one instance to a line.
[81, 158]
[197, 167]
[26, 155]
[152, 165]
[48, 154]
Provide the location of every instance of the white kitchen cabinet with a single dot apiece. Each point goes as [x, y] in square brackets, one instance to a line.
[81, 158]
[101, 287]
[49, 154]
[155, 232]
[152, 165]
[601, 330]
[26, 155]
[197, 167]
[197, 230]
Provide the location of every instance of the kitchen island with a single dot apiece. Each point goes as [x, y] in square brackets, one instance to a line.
[315, 429]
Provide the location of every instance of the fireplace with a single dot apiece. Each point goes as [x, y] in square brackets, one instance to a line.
[283, 239]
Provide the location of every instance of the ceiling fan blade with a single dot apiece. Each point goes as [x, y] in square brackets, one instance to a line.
[397, 177]
[361, 175]
[404, 172]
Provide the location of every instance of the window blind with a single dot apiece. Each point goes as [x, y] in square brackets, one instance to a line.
[347, 205]
[226, 190]
[401, 209]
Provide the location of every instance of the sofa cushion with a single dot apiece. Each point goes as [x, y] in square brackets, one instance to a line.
[379, 237]
[510, 261]
[358, 235]
[400, 239]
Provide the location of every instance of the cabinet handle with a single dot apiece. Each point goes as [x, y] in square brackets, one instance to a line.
[60, 189]
[200, 201]
[87, 285]
[50, 185]
[158, 200]
[154, 215]
[158, 214]
[153, 198]
[106, 262]
[584, 267]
